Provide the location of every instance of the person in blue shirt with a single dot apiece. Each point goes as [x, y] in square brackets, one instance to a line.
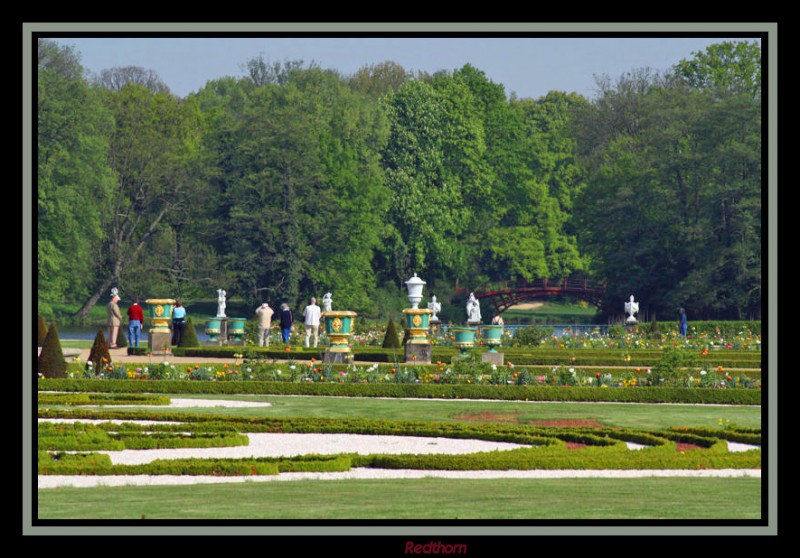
[178, 322]
[684, 324]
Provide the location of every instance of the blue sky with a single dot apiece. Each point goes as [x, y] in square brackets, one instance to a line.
[526, 66]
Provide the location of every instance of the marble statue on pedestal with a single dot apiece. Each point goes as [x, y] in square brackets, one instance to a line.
[473, 309]
[221, 303]
[434, 307]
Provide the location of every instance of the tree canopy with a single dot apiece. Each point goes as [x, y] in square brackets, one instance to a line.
[294, 180]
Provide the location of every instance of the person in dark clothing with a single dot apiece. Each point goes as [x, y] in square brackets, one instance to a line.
[286, 322]
[178, 322]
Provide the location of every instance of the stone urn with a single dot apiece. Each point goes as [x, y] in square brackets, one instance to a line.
[492, 336]
[339, 326]
[414, 286]
[464, 338]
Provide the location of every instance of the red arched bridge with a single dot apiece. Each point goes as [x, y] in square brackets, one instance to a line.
[504, 296]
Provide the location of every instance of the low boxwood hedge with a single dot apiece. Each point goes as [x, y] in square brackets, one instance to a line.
[426, 391]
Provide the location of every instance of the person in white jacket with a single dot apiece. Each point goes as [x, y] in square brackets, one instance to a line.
[311, 316]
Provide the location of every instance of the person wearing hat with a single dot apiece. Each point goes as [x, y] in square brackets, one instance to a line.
[114, 321]
[264, 315]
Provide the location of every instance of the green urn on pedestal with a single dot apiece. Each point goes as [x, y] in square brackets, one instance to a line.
[159, 336]
[339, 325]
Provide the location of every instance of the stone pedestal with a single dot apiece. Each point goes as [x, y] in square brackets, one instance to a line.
[159, 342]
[418, 353]
[493, 358]
[337, 357]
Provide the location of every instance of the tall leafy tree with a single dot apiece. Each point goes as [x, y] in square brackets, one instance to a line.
[73, 177]
[303, 167]
[154, 139]
[671, 210]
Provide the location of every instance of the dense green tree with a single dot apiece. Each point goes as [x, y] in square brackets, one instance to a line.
[119, 76]
[732, 67]
[672, 211]
[73, 178]
[154, 140]
[295, 187]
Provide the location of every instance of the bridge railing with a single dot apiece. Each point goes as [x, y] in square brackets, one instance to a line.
[568, 283]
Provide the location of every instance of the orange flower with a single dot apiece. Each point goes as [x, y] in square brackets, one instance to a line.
[720, 369]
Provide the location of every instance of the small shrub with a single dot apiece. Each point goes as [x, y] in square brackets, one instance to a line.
[531, 336]
[52, 363]
[189, 338]
[98, 355]
[391, 340]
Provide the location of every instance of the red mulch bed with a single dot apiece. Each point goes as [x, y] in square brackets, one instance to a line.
[683, 446]
[514, 417]
[567, 422]
[576, 445]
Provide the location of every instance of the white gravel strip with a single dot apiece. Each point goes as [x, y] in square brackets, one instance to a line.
[195, 403]
[736, 446]
[53, 481]
[288, 445]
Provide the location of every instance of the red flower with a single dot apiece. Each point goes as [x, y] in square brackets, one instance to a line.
[597, 375]
[394, 371]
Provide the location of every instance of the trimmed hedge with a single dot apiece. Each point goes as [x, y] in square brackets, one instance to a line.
[83, 437]
[425, 391]
[97, 399]
[524, 356]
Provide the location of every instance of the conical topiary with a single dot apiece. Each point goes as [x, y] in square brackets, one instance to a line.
[122, 338]
[189, 338]
[52, 363]
[42, 331]
[391, 340]
[99, 355]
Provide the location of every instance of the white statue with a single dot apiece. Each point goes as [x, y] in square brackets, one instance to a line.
[327, 302]
[473, 309]
[631, 308]
[434, 307]
[221, 303]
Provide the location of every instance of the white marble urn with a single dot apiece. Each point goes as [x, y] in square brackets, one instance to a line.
[414, 286]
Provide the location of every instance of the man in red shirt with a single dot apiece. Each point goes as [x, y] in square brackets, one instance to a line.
[136, 320]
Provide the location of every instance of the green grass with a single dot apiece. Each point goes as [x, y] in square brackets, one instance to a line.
[429, 499]
[628, 415]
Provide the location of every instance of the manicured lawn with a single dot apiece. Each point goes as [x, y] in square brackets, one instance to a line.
[624, 415]
[429, 499]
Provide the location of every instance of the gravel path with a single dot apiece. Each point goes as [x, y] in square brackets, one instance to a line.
[52, 481]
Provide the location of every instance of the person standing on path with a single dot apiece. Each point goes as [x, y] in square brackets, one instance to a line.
[684, 324]
[311, 315]
[114, 321]
[135, 322]
[178, 322]
[264, 315]
[286, 322]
